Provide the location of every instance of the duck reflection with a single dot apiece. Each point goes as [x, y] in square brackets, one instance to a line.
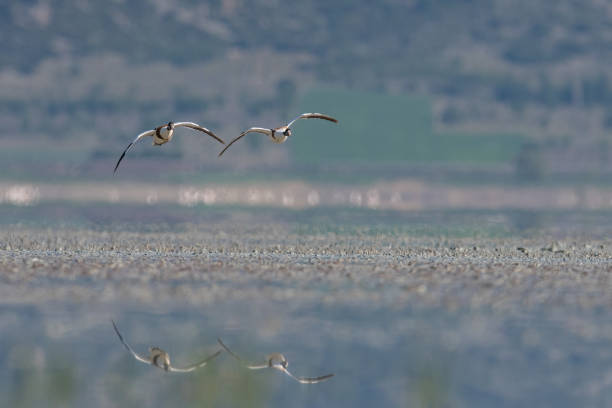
[279, 362]
[160, 358]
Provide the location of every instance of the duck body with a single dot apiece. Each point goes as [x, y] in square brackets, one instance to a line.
[159, 358]
[278, 361]
[279, 135]
[163, 134]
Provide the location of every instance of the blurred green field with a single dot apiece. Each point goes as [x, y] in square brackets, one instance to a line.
[389, 128]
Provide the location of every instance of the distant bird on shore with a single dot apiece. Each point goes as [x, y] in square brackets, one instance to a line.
[278, 362]
[159, 358]
[163, 134]
[280, 134]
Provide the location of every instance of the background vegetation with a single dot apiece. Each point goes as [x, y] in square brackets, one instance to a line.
[468, 82]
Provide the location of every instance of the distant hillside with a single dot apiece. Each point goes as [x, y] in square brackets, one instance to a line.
[82, 68]
[389, 38]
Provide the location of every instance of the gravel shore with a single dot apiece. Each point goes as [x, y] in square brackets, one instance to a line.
[203, 263]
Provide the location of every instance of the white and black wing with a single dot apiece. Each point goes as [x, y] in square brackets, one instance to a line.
[251, 130]
[127, 346]
[140, 136]
[200, 128]
[247, 365]
[195, 366]
[306, 380]
[312, 116]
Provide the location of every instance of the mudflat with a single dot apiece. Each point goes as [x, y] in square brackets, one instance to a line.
[208, 262]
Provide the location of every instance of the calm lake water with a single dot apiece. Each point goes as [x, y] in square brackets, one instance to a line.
[67, 354]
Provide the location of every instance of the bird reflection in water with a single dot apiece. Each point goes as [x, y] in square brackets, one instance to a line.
[160, 358]
[278, 362]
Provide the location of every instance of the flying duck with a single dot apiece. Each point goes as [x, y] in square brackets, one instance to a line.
[159, 358]
[279, 362]
[280, 134]
[163, 134]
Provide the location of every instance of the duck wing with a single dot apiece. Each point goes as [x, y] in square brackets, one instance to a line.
[195, 366]
[200, 128]
[247, 365]
[137, 356]
[140, 136]
[312, 116]
[251, 130]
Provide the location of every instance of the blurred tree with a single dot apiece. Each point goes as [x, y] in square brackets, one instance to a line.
[450, 115]
[528, 163]
[596, 90]
[512, 92]
[286, 91]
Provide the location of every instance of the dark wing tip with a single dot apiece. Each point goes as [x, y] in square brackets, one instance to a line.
[217, 138]
[231, 143]
[228, 350]
[223, 151]
[320, 116]
[221, 343]
[211, 134]
[213, 355]
[315, 379]
[122, 156]
[117, 330]
[117, 165]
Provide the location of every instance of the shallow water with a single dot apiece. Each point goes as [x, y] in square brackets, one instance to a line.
[69, 354]
[420, 309]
